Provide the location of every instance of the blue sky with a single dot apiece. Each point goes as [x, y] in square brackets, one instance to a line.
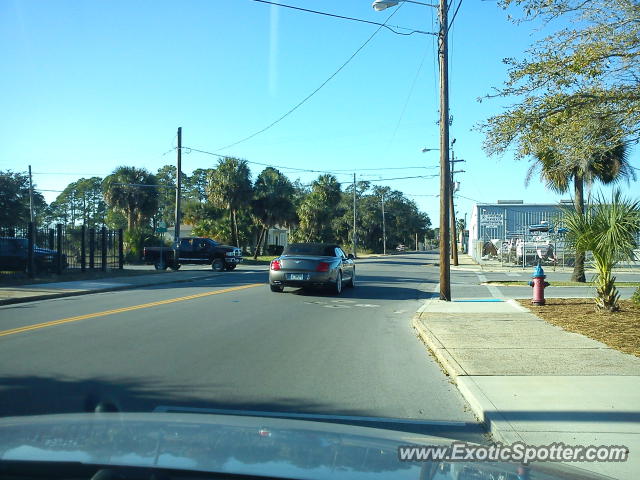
[88, 86]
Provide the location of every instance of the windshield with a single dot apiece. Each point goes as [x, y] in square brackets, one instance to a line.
[310, 249]
[419, 217]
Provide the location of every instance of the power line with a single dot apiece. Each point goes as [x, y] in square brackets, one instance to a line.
[70, 173]
[309, 170]
[388, 27]
[379, 180]
[191, 149]
[454, 15]
[406, 103]
[299, 104]
[472, 199]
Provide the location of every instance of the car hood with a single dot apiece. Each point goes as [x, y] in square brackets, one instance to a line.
[273, 447]
[227, 248]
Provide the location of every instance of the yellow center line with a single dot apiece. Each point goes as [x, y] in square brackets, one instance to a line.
[62, 321]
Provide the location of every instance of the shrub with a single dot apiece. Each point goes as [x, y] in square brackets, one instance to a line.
[635, 298]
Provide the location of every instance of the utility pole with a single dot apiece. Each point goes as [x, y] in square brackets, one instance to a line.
[445, 175]
[178, 187]
[354, 215]
[452, 210]
[31, 216]
[384, 229]
[454, 240]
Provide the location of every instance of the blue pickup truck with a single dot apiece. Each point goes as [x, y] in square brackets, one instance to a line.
[14, 256]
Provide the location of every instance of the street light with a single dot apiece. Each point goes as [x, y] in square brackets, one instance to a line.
[380, 5]
[445, 171]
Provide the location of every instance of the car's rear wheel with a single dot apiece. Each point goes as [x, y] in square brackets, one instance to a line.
[276, 288]
[217, 265]
[337, 287]
[159, 266]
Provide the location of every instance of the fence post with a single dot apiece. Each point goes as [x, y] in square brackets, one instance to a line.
[52, 242]
[103, 241]
[92, 248]
[83, 248]
[59, 248]
[120, 250]
[30, 244]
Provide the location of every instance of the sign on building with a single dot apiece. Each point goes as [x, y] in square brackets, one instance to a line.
[491, 220]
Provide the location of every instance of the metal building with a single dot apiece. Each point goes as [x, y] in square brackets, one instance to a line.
[511, 231]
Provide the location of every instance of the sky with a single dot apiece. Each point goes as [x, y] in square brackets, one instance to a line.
[89, 86]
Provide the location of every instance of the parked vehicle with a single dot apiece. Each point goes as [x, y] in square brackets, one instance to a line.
[194, 250]
[401, 248]
[14, 254]
[310, 265]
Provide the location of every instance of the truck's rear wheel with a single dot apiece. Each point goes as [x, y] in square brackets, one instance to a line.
[217, 265]
[159, 266]
[175, 267]
[230, 267]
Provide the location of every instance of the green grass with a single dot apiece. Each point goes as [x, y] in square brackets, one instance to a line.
[262, 260]
[521, 283]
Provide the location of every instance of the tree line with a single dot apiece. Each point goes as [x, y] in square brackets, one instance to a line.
[224, 203]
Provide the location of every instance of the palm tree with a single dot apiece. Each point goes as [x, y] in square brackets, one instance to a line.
[319, 209]
[609, 230]
[230, 187]
[133, 192]
[272, 203]
[558, 174]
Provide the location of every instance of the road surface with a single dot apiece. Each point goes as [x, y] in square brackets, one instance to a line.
[229, 343]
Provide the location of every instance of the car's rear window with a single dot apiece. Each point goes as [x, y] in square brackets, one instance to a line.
[310, 249]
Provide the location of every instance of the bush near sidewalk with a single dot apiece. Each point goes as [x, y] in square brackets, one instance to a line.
[608, 229]
[635, 298]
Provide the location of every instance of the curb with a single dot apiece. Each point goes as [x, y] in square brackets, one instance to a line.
[51, 296]
[437, 350]
[472, 395]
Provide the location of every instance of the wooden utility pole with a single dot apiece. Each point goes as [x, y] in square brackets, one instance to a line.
[31, 216]
[452, 210]
[354, 215]
[384, 229]
[454, 243]
[445, 175]
[178, 187]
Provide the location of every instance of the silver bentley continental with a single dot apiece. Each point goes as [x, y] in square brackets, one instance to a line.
[312, 265]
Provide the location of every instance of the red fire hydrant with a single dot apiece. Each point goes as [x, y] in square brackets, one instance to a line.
[538, 285]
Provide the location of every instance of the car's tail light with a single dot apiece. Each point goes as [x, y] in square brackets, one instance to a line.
[322, 267]
[275, 265]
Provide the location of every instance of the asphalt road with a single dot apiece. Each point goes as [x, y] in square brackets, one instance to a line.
[229, 343]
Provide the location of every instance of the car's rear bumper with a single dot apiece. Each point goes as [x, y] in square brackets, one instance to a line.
[310, 279]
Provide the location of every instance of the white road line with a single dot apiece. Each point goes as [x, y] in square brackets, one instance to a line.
[493, 290]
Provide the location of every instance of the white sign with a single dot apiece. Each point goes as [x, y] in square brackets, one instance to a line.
[491, 220]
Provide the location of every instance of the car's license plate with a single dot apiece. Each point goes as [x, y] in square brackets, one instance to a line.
[296, 276]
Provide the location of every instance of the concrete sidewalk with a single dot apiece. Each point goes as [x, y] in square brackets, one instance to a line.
[44, 291]
[533, 382]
